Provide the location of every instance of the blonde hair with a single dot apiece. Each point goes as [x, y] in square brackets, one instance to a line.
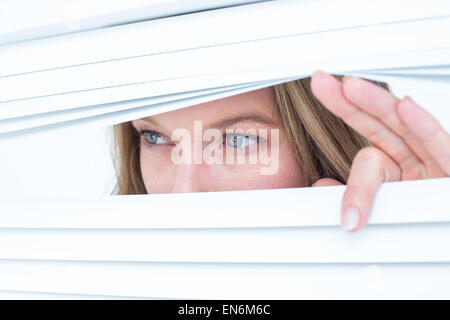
[323, 145]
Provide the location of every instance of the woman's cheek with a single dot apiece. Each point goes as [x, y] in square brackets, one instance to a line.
[250, 177]
[155, 169]
[162, 175]
[280, 172]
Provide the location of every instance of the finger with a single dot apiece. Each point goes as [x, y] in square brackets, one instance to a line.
[326, 182]
[329, 92]
[381, 104]
[426, 128]
[370, 168]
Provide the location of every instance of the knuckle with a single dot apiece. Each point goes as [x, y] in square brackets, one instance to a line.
[379, 164]
[370, 154]
[373, 161]
[412, 169]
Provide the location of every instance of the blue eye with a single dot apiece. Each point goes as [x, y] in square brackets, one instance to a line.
[237, 140]
[153, 137]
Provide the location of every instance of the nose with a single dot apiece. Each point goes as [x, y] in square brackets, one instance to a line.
[188, 178]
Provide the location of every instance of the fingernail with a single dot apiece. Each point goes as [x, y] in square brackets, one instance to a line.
[350, 218]
[318, 72]
[346, 78]
[408, 98]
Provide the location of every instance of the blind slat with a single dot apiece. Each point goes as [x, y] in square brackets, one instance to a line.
[396, 203]
[45, 18]
[358, 51]
[375, 244]
[248, 23]
[230, 281]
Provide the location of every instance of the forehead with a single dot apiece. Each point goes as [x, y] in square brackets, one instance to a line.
[259, 102]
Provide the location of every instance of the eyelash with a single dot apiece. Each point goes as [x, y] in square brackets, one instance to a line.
[256, 138]
[141, 131]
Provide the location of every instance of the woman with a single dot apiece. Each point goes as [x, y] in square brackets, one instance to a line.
[327, 132]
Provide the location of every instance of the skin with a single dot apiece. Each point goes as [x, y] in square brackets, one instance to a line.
[161, 175]
[408, 144]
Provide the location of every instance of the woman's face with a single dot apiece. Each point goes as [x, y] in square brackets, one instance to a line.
[235, 143]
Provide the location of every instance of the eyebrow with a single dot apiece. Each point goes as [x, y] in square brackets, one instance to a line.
[251, 117]
[228, 122]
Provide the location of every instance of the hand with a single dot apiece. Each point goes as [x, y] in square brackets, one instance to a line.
[408, 143]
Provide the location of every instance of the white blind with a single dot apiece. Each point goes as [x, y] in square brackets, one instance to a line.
[27, 19]
[116, 74]
[292, 245]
